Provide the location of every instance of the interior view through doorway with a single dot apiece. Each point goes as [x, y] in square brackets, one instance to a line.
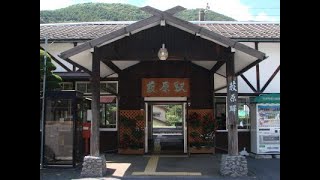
[166, 128]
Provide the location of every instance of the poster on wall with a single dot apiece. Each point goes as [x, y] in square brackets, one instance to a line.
[268, 115]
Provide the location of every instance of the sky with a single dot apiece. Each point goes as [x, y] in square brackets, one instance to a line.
[241, 10]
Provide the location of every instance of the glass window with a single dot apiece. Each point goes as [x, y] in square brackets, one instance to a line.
[67, 86]
[112, 87]
[243, 116]
[82, 87]
[243, 113]
[108, 114]
[105, 87]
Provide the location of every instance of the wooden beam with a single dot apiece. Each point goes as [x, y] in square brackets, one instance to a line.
[218, 89]
[217, 66]
[151, 10]
[175, 10]
[248, 67]
[220, 74]
[270, 79]
[232, 107]
[57, 61]
[258, 77]
[73, 66]
[156, 12]
[257, 69]
[60, 63]
[95, 105]
[250, 51]
[78, 65]
[212, 91]
[113, 58]
[112, 66]
[248, 83]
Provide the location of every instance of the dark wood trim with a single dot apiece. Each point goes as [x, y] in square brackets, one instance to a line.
[175, 10]
[193, 64]
[232, 107]
[212, 91]
[170, 58]
[78, 65]
[157, 12]
[270, 79]
[220, 88]
[112, 66]
[248, 83]
[220, 74]
[248, 67]
[256, 46]
[57, 61]
[61, 64]
[217, 66]
[73, 66]
[258, 77]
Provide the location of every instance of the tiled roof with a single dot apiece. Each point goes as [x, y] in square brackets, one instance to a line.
[85, 31]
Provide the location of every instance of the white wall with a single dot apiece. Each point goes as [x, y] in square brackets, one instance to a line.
[266, 68]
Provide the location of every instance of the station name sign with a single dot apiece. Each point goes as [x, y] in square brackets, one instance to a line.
[165, 87]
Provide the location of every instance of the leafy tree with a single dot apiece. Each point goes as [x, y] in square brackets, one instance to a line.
[52, 80]
[174, 114]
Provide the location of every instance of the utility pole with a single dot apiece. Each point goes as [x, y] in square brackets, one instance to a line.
[43, 102]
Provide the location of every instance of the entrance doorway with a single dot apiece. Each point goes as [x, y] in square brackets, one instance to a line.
[166, 128]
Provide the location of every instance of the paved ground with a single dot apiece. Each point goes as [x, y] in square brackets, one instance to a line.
[163, 167]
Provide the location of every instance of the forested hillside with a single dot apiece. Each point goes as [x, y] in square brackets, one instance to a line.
[91, 12]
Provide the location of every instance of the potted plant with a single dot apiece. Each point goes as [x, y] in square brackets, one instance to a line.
[204, 141]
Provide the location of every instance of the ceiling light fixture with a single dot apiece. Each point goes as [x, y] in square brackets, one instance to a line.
[163, 53]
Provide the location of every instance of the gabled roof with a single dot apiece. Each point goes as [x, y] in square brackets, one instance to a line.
[100, 34]
[162, 17]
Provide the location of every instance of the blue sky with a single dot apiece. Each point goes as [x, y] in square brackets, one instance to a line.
[241, 10]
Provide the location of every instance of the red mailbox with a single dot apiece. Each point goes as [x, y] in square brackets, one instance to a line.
[86, 131]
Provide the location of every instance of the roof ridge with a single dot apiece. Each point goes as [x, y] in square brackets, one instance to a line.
[130, 22]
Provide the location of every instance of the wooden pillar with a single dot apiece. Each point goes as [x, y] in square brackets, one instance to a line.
[232, 106]
[95, 105]
[212, 91]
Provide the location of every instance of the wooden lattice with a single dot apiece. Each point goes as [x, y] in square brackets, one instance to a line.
[132, 114]
[201, 113]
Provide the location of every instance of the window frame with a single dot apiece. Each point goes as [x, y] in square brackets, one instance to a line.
[117, 117]
[239, 130]
[101, 93]
[64, 83]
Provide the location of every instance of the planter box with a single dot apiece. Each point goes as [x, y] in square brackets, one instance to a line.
[202, 150]
[130, 151]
